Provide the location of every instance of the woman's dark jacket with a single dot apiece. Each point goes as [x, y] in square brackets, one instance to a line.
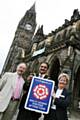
[61, 106]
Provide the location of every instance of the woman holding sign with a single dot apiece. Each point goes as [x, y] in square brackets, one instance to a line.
[61, 100]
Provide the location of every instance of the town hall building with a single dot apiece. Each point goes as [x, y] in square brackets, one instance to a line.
[60, 48]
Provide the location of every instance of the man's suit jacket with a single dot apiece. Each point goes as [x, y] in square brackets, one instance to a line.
[33, 115]
[26, 88]
[7, 86]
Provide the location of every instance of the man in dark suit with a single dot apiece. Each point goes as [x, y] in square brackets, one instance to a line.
[61, 100]
[27, 114]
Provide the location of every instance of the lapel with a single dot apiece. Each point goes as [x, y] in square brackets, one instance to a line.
[14, 79]
[64, 92]
[46, 76]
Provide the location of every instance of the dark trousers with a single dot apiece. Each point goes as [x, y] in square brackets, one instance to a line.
[56, 115]
[27, 115]
[24, 115]
[51, 115]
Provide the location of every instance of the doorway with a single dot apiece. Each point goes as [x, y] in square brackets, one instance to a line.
[54, 70]
[76, 90]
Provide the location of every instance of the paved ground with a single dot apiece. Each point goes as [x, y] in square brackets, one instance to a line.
[73, 116]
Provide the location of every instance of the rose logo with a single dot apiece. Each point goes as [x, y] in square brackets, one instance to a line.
[40, 92]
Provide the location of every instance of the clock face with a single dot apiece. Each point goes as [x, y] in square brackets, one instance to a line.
[28, 27]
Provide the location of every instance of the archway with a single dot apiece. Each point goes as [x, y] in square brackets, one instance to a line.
[76, 89]
[34, 66]
[54, 70]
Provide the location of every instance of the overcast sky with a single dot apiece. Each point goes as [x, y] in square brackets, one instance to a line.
[50, 13]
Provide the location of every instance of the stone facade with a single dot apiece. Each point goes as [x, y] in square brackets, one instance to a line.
[60, 48]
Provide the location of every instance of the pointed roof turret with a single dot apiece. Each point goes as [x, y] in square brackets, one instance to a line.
[40, 31]
[32, 9]
[29, 18]
[39, 35]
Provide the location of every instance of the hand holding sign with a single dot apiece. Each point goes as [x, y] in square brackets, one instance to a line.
[39, 96]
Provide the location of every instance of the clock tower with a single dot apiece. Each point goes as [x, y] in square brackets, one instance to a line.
[21, 45]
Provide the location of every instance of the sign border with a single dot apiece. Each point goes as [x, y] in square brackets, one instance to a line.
[30, 91]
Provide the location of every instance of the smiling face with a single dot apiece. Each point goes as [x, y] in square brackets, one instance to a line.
[62, 82]
[43, 68]
[21, 68]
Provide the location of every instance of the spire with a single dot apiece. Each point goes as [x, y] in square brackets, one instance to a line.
[32, 9]
[29, 18]
[76, 15]
[40, 31]
[39, 35]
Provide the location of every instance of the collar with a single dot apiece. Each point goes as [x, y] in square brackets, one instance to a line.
[43, 75]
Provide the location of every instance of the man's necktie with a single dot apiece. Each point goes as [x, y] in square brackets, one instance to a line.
[17, 91]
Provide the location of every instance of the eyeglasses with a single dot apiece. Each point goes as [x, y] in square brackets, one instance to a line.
[62, 81]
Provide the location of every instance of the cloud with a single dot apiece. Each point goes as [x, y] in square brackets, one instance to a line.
[50, 13]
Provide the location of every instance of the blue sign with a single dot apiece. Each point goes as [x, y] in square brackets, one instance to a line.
[39, 96]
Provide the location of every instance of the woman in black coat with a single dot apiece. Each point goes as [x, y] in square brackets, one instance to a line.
[60, 101]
